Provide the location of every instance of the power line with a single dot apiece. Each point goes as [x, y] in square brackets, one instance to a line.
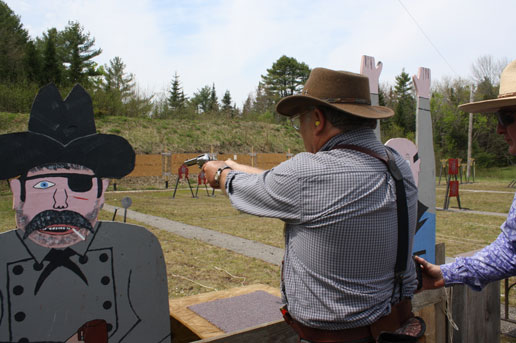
[427, 38]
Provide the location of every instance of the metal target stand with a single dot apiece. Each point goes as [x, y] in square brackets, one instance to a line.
[182, 171]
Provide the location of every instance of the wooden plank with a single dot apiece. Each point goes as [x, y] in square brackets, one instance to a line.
[197, 324]
[427, 298]
[477, 314]
[274, 332]
[440, 316]
[429, 304]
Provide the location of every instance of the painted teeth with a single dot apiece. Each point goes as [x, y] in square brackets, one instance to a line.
[57, 228]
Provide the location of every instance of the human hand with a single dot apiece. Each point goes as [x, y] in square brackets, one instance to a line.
[210, 169]
[422, 82]
[368, 68]
[432, 276]
[233, 164]
[243, 168]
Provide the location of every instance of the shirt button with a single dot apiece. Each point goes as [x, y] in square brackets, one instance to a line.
[37, 266]
[83, 259]
[109, 327]
[23, 340]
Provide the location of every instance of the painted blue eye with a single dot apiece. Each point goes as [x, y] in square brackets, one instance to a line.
[44, 185]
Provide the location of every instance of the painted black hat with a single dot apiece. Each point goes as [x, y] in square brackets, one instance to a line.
[64, 131]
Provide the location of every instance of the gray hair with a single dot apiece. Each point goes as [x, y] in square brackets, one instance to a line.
[345, 121]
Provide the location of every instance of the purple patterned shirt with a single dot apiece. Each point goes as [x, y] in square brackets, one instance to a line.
[495, 262]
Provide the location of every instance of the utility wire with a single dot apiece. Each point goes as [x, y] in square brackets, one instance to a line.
[427, 38]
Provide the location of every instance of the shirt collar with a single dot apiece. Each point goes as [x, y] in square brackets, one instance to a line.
[361, 137]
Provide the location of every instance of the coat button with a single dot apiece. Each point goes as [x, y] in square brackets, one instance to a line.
[19, 317]
[103, 257]
[18, 290]
[17, 270]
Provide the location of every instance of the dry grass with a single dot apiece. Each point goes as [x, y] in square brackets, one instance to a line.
[198, 134]
[195, 267]
[213, 213]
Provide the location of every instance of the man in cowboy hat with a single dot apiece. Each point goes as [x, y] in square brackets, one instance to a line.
[65, 275]
[498, 260]
[339, 204]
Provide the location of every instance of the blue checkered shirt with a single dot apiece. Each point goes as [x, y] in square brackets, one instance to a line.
[495, 262]
[339, 207]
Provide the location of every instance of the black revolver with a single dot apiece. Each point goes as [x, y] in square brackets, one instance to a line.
[199, 160]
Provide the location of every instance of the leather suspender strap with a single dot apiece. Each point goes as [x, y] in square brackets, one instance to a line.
[402, 210]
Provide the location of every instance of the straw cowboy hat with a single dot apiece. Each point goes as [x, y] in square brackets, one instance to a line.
[506, 97]
[64, 132]
[342, 90]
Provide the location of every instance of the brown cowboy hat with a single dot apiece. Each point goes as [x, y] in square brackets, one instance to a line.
[342, 90]
[506, 96]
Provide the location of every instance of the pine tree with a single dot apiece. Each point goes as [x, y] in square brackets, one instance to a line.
[76, 48]
[404, 104]
[214, 101]
[13, 40]
[118, 87]
[286, 77]
[226, 104]
[51, 71]
[176, 99]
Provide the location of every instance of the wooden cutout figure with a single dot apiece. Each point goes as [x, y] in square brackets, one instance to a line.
[425, 144]
[372, 71]
[65, 276]
[408, 150]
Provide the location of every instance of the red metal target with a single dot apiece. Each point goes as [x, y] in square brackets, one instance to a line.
[454, 188]
[182, 171]
[453, 166]
[201, 178]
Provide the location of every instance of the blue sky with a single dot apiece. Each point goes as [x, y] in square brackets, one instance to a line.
[232, 42]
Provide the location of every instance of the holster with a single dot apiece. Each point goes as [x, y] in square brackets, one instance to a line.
[94, 331]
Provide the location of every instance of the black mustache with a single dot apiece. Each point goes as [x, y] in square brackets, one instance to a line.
[51, 218]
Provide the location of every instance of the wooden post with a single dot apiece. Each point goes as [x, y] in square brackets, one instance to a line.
[252, 154]
[470, 135]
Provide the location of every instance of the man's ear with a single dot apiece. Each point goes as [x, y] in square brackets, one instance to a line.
[319, 121]
[16, 190]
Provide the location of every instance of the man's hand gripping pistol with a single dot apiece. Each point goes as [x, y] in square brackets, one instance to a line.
[199, 160]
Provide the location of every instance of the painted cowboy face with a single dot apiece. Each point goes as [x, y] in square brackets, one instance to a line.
[57, 207]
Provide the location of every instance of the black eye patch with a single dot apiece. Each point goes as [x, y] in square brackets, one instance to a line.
[79, 183]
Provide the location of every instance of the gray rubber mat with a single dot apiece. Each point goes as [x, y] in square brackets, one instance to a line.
[240, 312]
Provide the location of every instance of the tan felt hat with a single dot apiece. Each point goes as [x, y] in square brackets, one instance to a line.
[506, 97]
